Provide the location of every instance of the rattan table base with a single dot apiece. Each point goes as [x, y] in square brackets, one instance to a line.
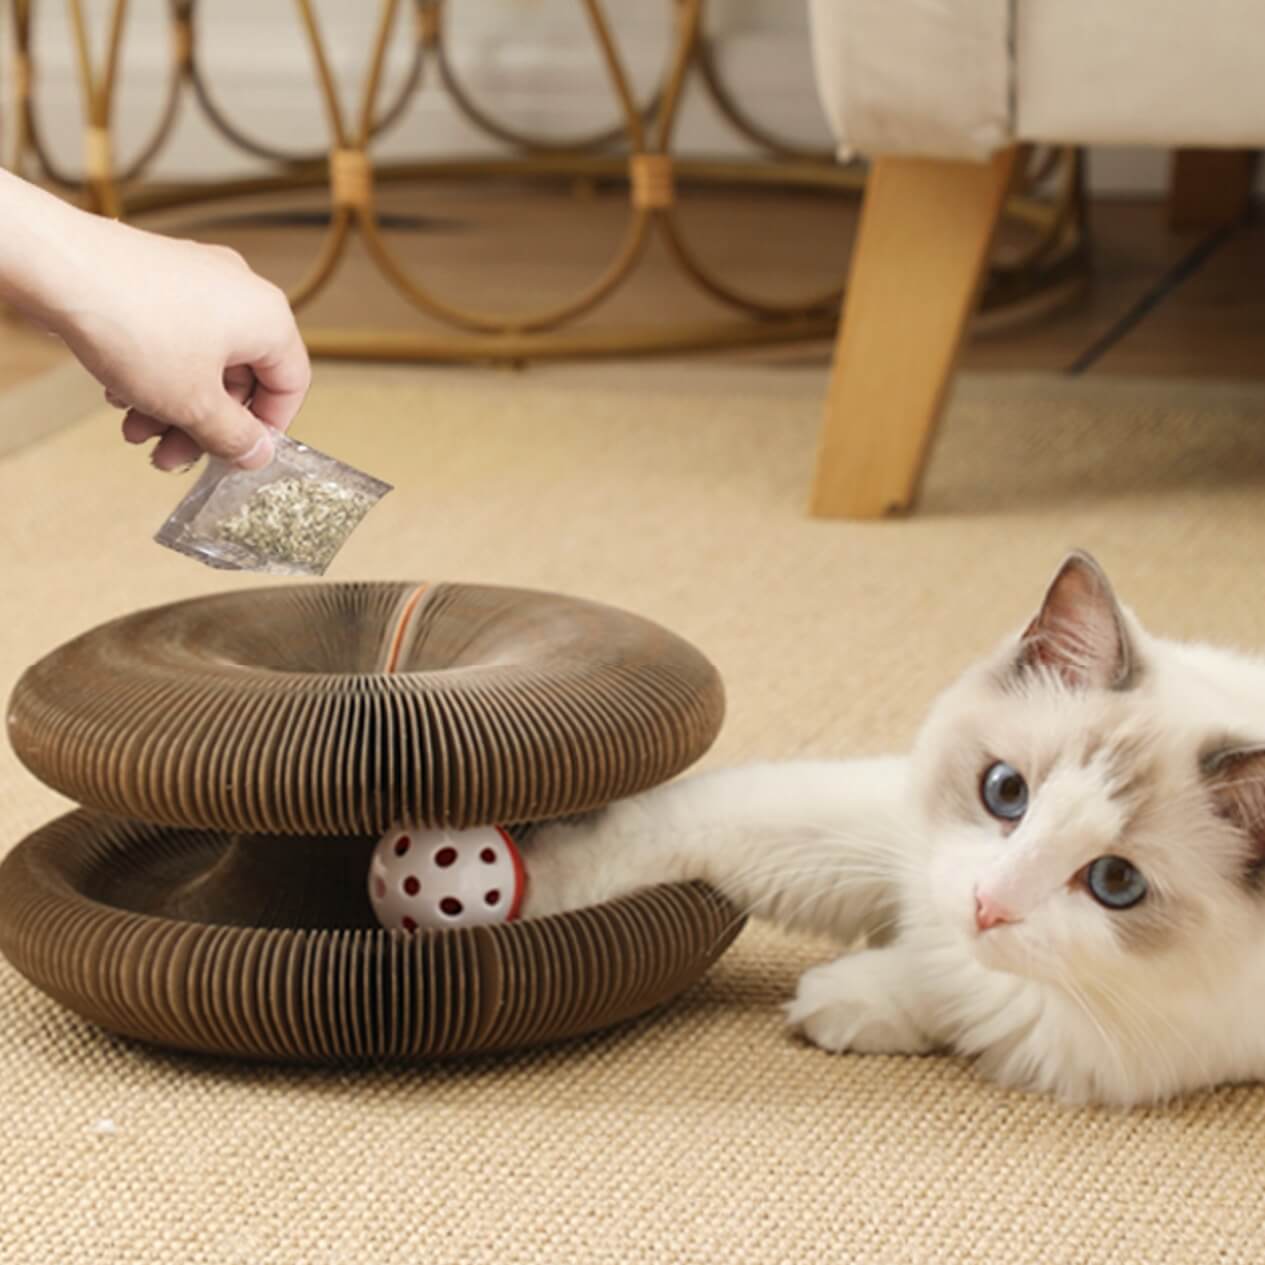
[638, 152]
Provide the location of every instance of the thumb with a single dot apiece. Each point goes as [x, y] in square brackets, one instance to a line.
[230, 431]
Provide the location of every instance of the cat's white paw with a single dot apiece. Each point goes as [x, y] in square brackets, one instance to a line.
[848, 1005]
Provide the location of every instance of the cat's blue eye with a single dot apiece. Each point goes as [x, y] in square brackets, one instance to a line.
[1004, 792]
[1115, 882]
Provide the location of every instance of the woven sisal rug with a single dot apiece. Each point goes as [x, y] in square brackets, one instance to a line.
[704, 1133]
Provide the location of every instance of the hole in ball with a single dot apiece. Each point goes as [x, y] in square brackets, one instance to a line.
[451, 906]
[409, 924]
[401, 845]
[445, 856]
[411, 886]
[380, 888]
[493, 897]
[487, 856]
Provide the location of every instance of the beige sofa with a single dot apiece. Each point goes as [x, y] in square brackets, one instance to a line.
[939, 94]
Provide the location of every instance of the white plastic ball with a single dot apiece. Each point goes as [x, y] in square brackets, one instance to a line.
[422, 879]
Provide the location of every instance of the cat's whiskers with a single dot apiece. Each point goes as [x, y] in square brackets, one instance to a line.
[1145, 1017]
[1111, 1042]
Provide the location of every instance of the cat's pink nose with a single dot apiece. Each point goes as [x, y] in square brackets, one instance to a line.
[989, 914]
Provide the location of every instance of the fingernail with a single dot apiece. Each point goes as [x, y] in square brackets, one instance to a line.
[183, 468]
[258, 457]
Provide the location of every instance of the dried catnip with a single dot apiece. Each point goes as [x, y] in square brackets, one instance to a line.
[307, 521]
[289, 518]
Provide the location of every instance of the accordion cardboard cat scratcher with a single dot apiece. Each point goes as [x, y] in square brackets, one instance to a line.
[237, 758]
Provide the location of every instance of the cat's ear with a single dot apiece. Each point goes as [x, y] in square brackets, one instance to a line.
[1236, 780]
[1079, 632]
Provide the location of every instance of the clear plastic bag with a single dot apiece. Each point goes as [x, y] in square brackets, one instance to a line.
[290, 518]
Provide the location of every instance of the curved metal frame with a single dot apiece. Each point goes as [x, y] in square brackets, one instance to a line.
[638, 152]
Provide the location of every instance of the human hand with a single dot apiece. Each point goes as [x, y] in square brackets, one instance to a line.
[202, 353]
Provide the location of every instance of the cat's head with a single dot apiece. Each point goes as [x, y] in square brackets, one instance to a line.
[1095, 796]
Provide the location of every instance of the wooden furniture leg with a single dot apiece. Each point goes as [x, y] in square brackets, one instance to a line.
[921, 248]
[1210, 187]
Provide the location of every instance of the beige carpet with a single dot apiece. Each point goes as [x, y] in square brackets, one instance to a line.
[704, 1134]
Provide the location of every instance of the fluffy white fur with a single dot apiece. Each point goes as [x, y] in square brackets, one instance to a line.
[1131, 745]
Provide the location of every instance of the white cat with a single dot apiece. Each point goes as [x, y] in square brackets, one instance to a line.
[1064, 879]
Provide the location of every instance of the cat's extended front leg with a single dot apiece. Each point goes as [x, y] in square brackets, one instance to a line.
[811, 845]
[867, 1002]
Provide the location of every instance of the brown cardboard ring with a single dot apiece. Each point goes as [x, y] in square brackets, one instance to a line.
[81, 904]
[297, 710]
